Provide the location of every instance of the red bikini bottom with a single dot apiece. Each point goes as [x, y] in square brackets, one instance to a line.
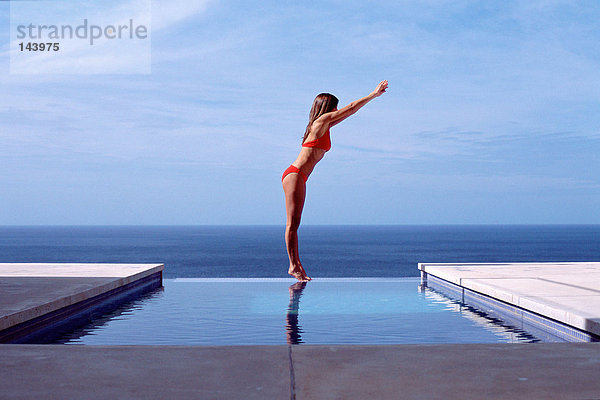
[291, 169]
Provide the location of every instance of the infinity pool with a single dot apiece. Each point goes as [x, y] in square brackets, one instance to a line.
[278, 311]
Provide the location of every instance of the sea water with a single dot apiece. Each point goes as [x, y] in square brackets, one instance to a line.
[326, 251]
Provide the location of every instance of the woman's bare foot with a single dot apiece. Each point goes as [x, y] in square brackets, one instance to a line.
[299, 273]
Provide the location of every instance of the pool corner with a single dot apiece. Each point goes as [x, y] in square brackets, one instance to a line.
[36, 296]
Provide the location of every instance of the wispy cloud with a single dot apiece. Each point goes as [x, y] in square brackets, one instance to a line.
[165, 14]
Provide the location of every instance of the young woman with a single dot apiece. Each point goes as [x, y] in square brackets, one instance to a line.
[316, 142]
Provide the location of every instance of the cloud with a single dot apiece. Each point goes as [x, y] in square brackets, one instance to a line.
[165, 14]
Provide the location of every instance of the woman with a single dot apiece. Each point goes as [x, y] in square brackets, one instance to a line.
[316, 142]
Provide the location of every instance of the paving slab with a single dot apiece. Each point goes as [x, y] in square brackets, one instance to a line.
[567, 292]
[130, 271]
[143, 372]
[30, 290]
[453, 371]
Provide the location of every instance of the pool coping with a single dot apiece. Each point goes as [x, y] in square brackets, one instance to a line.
[566, 292]
[542, 328]
[59, 291]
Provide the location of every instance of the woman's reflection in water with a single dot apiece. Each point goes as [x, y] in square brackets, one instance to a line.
[292, 329]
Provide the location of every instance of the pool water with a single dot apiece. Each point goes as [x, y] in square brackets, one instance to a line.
[279, 311]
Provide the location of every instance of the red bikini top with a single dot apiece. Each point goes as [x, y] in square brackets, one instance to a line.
[323, 143]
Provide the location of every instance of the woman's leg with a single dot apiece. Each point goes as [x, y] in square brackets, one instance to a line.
[295, 193]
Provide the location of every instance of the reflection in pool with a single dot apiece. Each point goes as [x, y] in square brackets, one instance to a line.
[271, 311]
[292, 328]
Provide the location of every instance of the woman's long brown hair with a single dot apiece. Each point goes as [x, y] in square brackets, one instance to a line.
[324, 103]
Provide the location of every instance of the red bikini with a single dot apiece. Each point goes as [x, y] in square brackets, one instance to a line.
[291, 169]
[323, 143]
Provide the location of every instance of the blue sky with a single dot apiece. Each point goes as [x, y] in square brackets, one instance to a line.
[492, 116]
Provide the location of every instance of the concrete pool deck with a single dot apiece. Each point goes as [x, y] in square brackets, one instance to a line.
[451, 371]
[35, 294]
[567, 292]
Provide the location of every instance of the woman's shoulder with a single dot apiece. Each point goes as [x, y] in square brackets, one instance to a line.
[325, 118]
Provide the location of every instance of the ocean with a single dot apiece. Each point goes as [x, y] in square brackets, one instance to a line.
[326, 251]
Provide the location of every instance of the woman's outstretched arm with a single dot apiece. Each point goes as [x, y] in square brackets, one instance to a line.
[335, 117]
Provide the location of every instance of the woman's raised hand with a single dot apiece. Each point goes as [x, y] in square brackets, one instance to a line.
[381, 88]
